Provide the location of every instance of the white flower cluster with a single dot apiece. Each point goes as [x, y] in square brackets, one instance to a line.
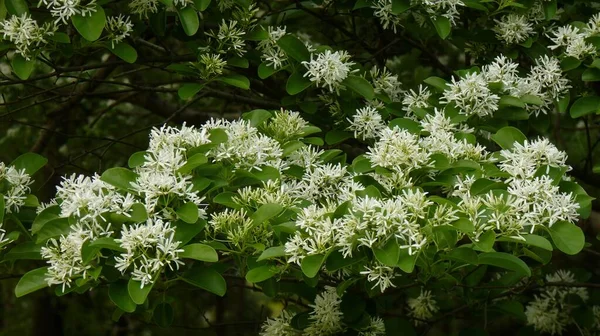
[550, 312]
[211, 65]
[473, 96]
[513, 28]
[422, 307]
[118, 28]
[416, 99]
[229, 38]
[387, 83]
[149, 247]
[366, 123]
[64, 9]
[329, 69]
[144, 7]
[272, 54]
[25, 33]
[383, 11]
[14, 187]
[285, 126]
[445, 8]
[573, 39]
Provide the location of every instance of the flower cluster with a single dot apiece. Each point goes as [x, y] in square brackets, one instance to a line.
[573, 40]
[329, 69]
[550, 311]
[25, 33]
[473, 96]
[272, 54]
[229, 38]
[64, 9]
[14, 187]
[422, 307]
[118, 28]
[513, 28]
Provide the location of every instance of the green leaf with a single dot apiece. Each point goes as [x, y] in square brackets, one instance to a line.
[464, 255]
[407, 124]
[486, 242]
[53, 228]
[119, 177]
[294, 48]
[539, 241]
[442, 26]
[207, 279]
[236, 80]
[32, 281]
[464, 225]
[336, 136]
[119, 294]
[189, 20]
[361, 4]
[336, 260]
[188, 90]
[163, 312]
[22, 67]
[482, 186]
[265, 212]
[193, 162]
[107, 243]
[17, 7]
[137, 159]
[407, 262]
[257, 117]
[138, 294]
[227, 198]
[31, 162]
[550, 8]
[506, 261]
[532, 100]
[48, 214]
[200, 252]
[297, 83]
[265, 71]
[360, 86]
[238, 62]
[591, 75]
[569, 63]
[400, 6]
[261, 273]
[567, 237]
[185, 232]
[312, 264]
[188, 212]
[138, 213]
[507, 136]
[437, 82]
[272, 252]
[389, 253]
[24, 251]
[510, 101]
[91, 26]
[201, 5]
[584, 106]
[124, 51]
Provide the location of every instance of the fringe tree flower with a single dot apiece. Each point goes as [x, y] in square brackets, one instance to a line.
[381, 275]
[573, 41]
[229, 38]
[25, 33]
[326, 317]
[211, 65]
[513, 28]
[149, 247]
[118, 28]
[64, 9]
[144, 7]
[329, 69]
[383, 11]
[414, 99]
[472, 96]
[366, 123]
[423, 307]
[375, 328]
[279, 326]
[272, 53]
[285, 125]
[398, 149]
[445, 8]
[385, 82]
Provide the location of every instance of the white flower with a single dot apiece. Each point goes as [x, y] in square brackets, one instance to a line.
[64, 9]
[545, 316]
[548, 75]
[118, 28]
[385, 82]
[213, 65]
[366, 123]
[502, 70]
[383, 11]
[329, 69]
[326, 317]
[593, 26]
[423, 307]
[398, 149]
[472, 96]
[25, 33]
[149, 247]
[229, 38]
[573, 40]
[272, 53]
[144, 7]
[381, 275]
[285, 126]
[445, 8]
[17, 188]
[376, 328]
[64, 257]
[414, 99]
[513, 28]
[279, 326]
